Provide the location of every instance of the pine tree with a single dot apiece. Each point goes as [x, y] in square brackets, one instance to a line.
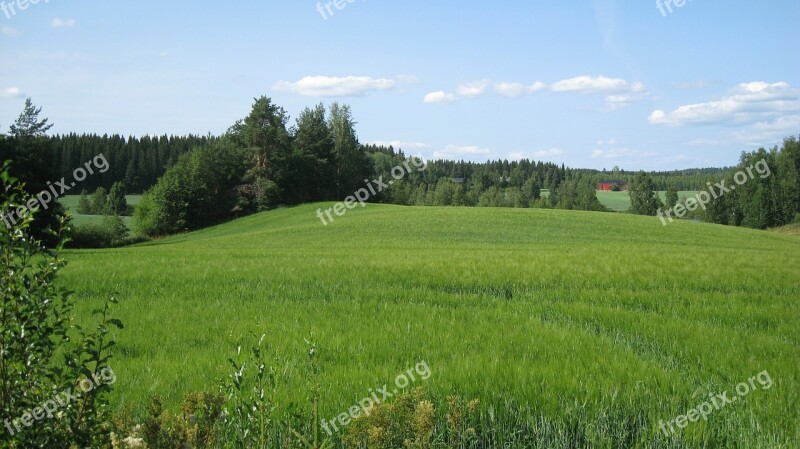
[352, 164]
[28, 124]
[313, 166]
[672, 198]
[644, 198]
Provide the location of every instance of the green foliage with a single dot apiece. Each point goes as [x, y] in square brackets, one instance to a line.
[493, 197]
[768, 195]
[352, 163]
[264, 135]
[644, 199]
[116, 204]
[252, 417]
[578, 195]
[84, 204]
[198, 191]
[28, 125]
[312, 170]
[32, 163]
[109, 233]
[138, 162]
[99, 201]
[671, 198]
[44, 353]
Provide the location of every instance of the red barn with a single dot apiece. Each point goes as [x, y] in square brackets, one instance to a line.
[610, 183]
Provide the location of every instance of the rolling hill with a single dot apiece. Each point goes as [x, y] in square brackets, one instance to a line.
[559, 313]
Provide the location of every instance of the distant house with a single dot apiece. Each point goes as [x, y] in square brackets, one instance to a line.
[610, 183]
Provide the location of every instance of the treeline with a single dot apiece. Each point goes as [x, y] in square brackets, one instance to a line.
[262, 163]
[680, 180]
[259, 164]
[763, 191]
[489, 184]
[137, 162]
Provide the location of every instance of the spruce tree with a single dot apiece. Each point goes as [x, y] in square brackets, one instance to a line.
[644, 198]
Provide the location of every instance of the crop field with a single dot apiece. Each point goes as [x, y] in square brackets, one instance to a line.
[621, 201]
[70, 203]
[594, 316]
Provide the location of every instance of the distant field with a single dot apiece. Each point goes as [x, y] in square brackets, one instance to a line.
[621, 201]
[70, 202]
[594, 315]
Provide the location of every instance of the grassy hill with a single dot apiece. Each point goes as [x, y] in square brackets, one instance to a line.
[595, 316]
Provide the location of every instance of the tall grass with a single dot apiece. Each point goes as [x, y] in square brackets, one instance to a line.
[576, 329]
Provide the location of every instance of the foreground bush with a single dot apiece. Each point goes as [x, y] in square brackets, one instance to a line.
[54, 376]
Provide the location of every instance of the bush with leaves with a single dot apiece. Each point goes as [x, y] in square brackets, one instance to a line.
[109, 233]
[99, 201]
[43, 354]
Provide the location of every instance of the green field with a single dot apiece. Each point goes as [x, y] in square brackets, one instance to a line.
[621, 201]
[588, 314]
[70, 202]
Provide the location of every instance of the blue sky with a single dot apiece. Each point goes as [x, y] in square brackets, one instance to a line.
[591, 83]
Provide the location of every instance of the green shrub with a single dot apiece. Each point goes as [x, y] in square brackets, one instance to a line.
[109, 233]
[43, 353]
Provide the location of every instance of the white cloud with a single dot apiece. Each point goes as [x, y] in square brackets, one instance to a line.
[163, 54]
[704, 141]
[62, 23]
[439, 97]
[472, 89]
[10, 93]
[541, 154]
[455, 152]
[400, 144]
[517, 89]
[750, 103]
[766, 133]
[410, 79]
[622, 153]
[614, 102]
[599, 84]
[330, 86]
[620, 93]
[7, 31]
[686, 85]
